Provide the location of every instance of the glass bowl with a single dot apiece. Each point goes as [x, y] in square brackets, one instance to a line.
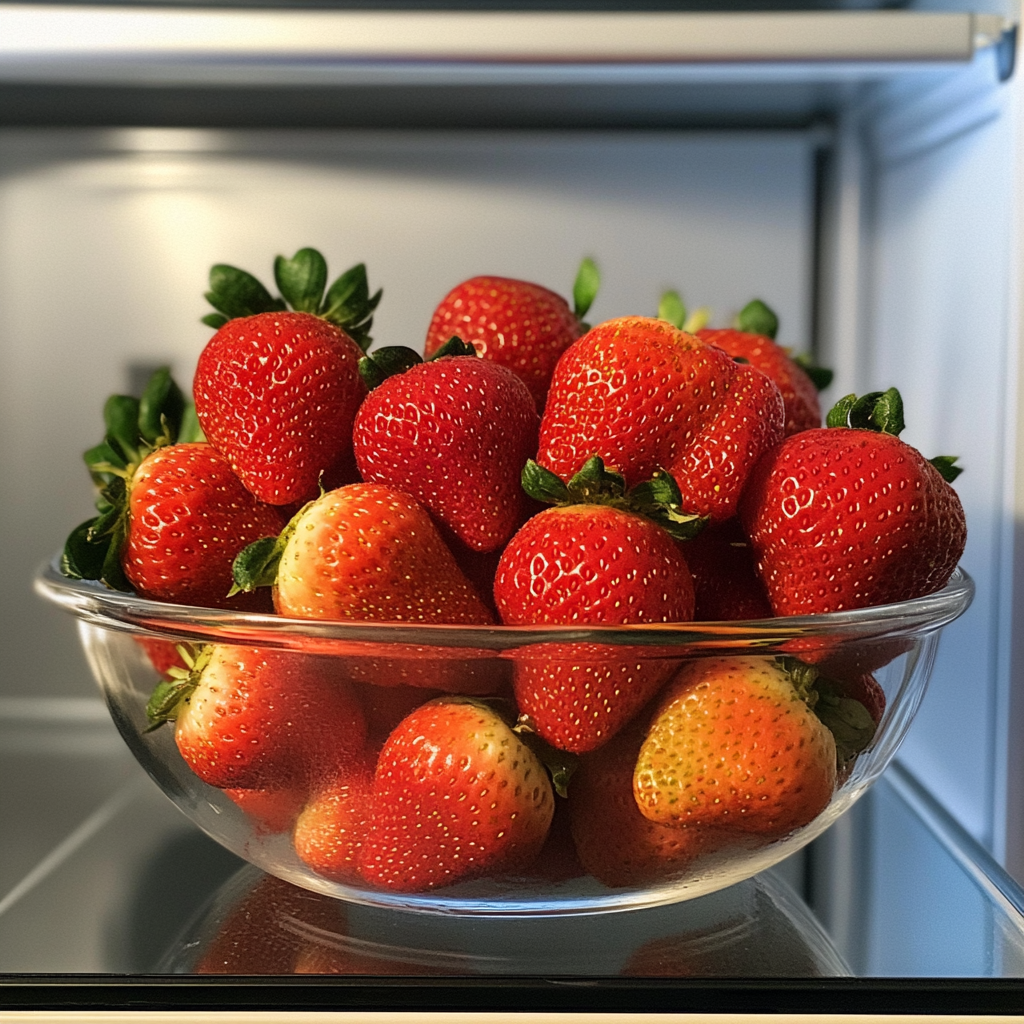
[883, 656]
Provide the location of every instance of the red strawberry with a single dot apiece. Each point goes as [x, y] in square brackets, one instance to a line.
[456, 795]
[851, 516]
[725, 581]
[799, 395]
[516, 324]
[277, 391]
[270, 810]
[365, 552]
[330, 831]
[248, 718]
[752, 340]
[454, 433]
[614, 841]
[733, 743]
[175, 527]
[593, 563]
[173, 515]
[646, 396]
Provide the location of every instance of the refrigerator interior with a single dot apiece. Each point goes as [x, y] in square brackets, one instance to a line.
[874, 208]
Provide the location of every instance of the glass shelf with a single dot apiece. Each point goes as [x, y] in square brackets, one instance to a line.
[104, 883]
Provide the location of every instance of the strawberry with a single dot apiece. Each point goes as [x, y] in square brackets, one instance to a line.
[615, 842]
[752, 340]
[726, 585]
[456, 795]
[454, 433]
[365, 552]
[270, 810]
[515, 324]
[276, 391]
[644, 396]
[173, 516]
[248, 718]
[594, 559]
[733, 743]
[849, 516]
[331, 828]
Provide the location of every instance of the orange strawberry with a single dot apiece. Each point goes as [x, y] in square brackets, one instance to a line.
[365, 552]
[614, 841]
[734, 743]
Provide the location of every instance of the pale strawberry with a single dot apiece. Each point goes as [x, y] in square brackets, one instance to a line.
[733, 743]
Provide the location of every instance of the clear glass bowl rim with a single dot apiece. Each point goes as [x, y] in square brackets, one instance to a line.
[95, 603]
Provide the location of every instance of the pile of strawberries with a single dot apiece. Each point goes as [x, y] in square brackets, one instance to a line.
[526, 469]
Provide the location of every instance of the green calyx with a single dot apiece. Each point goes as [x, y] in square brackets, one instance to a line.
[585, 289]
[134, 428]
[302, 281]
[846, 718]
[391, 360]
[756, 317]
[171, 694]
[658, 499]
[560, 764]
[256, 565]
[672, 309]
[820, 376]
[881, 411]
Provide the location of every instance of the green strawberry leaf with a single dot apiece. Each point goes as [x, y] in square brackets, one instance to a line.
[236, 293]
[454, 346]
[214, 320]
[256, 565]
[82, 557]
[944, 464]
[659, 500]
[389, 361]
[821, 377]
[593, 482]
[104, 463]
[847, 719]
[585, 287]
[881, 411]
[839, 414]
[757, 318]
[190, 431]
[672, 309]
[561, 764]
[121, 418]
[350, 306]
[302, 279]
[161, 409]
[543, 485]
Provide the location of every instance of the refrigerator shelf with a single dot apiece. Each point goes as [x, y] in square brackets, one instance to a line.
[168, 46]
